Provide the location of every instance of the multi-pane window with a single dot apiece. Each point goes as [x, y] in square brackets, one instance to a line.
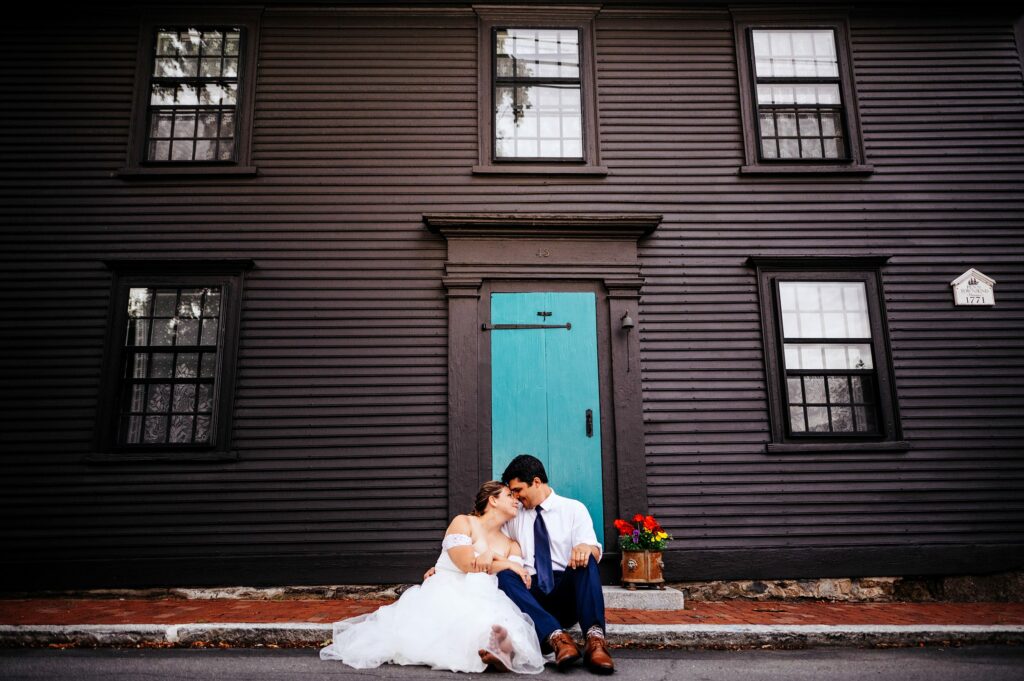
[172, 346]
[828, 358]
[798, 94]
[538, 110]
[169, 369]
[193, 94]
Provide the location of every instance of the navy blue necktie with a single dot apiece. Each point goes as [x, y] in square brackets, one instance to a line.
[542, 554]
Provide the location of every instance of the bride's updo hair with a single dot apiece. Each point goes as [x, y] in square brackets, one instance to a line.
[491, 488]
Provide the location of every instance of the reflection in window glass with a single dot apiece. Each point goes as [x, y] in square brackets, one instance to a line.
[168, 348]
[537, 94]
[829, 380]
[795, 53]
[824, 310]
[799, 108]
[193, 95]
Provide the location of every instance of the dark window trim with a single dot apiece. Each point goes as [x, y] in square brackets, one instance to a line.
[837, 268]
[1018, 34]
[514, 81]
[135, 166]
[743, 22]
[580, 18]
[228, 273]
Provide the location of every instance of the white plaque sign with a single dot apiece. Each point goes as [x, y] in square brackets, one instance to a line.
[973, 288]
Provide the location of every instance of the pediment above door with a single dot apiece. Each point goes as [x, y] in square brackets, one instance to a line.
[509, 245]
[551, 225]
[490, 252]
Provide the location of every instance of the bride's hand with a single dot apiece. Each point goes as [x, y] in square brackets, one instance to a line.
[429, 573]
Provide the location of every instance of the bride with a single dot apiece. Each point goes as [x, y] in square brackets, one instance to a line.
[458, 619]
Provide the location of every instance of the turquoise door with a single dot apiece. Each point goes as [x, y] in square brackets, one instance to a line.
[544, 391]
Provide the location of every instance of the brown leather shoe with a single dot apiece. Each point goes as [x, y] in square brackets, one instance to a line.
[492, 661]
[565, 649]
[596, 656]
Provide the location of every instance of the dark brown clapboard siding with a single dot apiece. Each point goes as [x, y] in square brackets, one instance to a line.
[935, 141]
[363, 123]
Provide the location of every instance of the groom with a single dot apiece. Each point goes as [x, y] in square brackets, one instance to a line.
[561, 550]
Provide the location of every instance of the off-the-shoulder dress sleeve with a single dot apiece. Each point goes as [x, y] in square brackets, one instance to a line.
[450, 541]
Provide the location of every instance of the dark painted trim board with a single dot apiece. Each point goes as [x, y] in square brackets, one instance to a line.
[408, 567]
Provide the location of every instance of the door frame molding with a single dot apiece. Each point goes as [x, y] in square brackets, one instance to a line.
[489, 252]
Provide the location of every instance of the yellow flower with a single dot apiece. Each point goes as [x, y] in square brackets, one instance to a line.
[662, 535]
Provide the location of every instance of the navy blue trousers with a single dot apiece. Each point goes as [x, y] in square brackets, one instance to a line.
[577, 597]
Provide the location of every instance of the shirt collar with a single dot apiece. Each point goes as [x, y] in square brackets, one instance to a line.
[551, 502]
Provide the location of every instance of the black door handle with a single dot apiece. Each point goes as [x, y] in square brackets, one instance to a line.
[590, 423]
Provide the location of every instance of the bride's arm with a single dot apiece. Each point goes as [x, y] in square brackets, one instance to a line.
[462, 556]
[513, 562]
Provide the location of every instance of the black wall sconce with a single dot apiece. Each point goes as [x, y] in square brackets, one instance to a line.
[627, 326]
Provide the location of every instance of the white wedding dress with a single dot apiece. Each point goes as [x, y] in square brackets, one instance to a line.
[441, 623]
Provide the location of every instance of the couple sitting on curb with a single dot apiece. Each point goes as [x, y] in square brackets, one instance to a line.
[509, 581]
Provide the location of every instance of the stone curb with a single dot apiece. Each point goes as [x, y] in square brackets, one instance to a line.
[308, 635]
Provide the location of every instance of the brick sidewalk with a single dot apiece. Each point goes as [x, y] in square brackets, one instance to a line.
[179, 611]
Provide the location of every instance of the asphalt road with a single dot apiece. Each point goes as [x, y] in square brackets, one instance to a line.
[980, 663]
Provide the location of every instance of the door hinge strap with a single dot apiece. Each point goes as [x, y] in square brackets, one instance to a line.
[519, 327]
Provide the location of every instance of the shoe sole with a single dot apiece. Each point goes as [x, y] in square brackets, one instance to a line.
[567, 662]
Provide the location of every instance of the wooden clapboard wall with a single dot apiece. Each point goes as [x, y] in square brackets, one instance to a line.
[366, 121]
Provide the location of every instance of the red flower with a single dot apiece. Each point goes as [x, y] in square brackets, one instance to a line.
[638, 518]
[623, 527]
[650, 524]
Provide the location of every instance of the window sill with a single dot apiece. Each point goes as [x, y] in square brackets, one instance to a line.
[833, 447]
[164, 456]
[541, 169]
[800, 169]
[156, 173]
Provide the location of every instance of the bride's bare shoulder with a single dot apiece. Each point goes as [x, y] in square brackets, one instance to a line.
[461, 524]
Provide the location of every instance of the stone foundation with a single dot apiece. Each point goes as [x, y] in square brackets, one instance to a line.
[1003, 587]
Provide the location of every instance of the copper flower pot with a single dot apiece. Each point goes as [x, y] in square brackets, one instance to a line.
[642, 567]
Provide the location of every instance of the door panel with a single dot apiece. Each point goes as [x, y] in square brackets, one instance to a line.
[543, 381]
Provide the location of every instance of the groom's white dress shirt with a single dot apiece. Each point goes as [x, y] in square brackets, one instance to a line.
[568, 523]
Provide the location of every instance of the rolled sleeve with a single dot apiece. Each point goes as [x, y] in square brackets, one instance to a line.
[583, 529]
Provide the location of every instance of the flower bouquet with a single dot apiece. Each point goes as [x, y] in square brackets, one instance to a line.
[642, 542]
[645, 535]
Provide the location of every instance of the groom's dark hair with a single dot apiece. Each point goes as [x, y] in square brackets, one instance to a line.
[525, 468]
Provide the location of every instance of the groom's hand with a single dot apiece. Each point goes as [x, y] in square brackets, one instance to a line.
[580, 555]
[482, 563]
